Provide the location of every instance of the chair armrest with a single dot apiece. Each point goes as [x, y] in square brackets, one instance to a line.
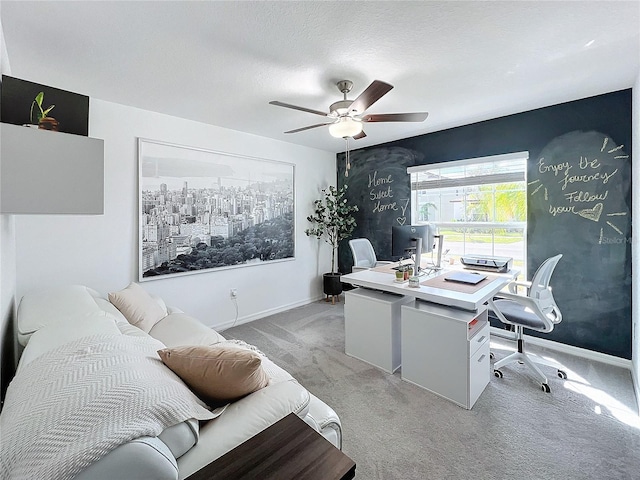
[522, 300]
[513, 286]
[355, 269]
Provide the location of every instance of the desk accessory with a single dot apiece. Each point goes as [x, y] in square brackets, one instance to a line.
[462, 277]
[487, 263]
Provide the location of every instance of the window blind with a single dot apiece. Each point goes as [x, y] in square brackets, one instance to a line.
[507, 168]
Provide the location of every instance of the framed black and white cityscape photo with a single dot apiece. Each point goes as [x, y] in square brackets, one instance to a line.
[202, 210]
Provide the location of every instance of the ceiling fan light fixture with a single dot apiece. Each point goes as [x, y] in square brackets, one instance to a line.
[345, 117]
[345, 127]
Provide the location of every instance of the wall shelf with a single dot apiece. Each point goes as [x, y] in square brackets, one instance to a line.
[44, 172]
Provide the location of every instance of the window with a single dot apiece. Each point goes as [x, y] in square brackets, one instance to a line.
[479, 205]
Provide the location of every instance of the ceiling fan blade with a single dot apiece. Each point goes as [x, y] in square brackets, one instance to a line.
[307, 128]
[396, 117]
[295, 107]
[371, 95]
[360, 135]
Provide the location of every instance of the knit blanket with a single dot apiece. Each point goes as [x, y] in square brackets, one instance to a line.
[74, 404]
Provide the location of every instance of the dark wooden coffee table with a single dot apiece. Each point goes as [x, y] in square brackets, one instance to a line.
[288, 449]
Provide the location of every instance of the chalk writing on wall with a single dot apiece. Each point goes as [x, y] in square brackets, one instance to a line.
[379, 186]
[580, 205]
[585, 184]
[381, 194]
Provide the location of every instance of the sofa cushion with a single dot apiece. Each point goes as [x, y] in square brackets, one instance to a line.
[242, 420]
[127, 329]
[138, 307]
[179, 329]
[181, 437]
[143, 458]
[87, 377]
[217, 374]
[51, 306]
[109, 307]
[74, 327]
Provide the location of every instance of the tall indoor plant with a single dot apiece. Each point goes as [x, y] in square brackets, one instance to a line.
[332, 221]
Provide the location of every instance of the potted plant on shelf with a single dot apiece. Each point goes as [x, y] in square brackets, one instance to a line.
[332, 221]
[44, 121]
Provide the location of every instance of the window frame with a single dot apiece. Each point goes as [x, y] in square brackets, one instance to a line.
[467, 181]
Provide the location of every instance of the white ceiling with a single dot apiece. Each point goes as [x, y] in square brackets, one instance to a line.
[222, 62]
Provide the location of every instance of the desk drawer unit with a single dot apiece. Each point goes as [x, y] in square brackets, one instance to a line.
[372, 327]
[446, 351]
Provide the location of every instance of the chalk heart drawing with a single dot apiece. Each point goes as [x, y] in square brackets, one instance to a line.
[401, 220]
[592, 213]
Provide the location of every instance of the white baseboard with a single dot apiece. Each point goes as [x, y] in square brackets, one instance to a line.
[264, 313]
[569, 349]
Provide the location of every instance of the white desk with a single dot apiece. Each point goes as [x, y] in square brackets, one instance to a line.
[379, 279]
[443, 337]
[446, 351]
[372, 327]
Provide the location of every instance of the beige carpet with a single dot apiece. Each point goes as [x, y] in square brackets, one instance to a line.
[586, 428]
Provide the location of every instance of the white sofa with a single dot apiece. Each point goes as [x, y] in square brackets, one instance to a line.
[50, 318]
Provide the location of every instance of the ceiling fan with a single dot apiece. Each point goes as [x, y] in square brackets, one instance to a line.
[346, 117]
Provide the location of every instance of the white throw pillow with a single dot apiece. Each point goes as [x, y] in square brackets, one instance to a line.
[138, 307]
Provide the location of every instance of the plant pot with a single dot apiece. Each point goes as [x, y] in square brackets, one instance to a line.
[331, 283]
[48, 123]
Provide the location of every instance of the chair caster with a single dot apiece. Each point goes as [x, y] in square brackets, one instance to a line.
[562, 374]
[545, 388]
[491, 355]
[498, 373]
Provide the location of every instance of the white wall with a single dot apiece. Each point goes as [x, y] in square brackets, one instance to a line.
[635, 246]
[7, 267]
[101, 251]
[7, 298]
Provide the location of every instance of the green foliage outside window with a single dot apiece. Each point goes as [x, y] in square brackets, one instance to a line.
[505, 202]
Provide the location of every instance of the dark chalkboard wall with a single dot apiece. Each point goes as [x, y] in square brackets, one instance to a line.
[378, 184]
[579, 201]
[588, 221]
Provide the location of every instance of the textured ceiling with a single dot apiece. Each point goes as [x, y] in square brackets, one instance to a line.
[222, 62]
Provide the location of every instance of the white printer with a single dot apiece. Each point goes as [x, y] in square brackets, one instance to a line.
[487, 263]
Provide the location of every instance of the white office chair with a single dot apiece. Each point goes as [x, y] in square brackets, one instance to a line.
[364, 257]
[537, 310]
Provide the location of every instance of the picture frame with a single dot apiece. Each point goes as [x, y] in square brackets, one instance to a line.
[203, 210]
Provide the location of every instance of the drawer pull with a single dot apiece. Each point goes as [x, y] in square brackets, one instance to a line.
[481, 357]
[481, 339]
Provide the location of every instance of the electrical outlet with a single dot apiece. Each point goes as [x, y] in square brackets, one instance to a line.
[233, 293]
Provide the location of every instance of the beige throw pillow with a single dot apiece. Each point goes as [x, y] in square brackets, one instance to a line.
[138, 307]
[218, 374]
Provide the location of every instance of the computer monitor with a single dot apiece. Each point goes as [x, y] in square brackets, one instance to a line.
[404, 239]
